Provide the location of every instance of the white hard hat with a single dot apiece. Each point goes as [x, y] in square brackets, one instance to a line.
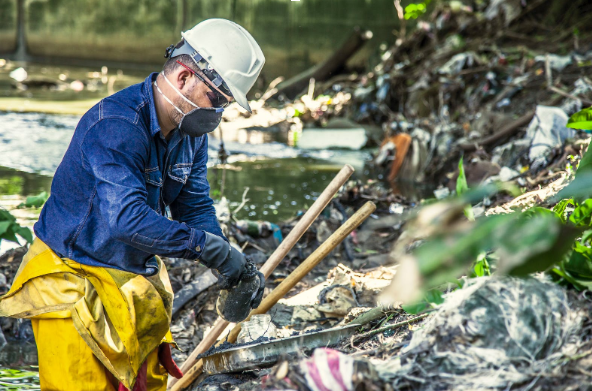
[228, 50]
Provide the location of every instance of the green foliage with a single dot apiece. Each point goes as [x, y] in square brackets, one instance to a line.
[432, 297]
[14, 379]
[35, 201]
[415, 10]
[581, 120]
[461, 181]
[215, 194]
[11, 185]
[9, 228]
[462, 187]
[525, 243]
[481, 267]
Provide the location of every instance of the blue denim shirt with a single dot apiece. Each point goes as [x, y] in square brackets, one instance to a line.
[118, 177]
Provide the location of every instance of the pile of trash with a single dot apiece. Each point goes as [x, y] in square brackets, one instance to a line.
[493, 334]
[486, 82]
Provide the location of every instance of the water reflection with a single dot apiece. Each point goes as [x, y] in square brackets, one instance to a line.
[18, 354]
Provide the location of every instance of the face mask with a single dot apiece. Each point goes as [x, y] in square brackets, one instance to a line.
[198, 121]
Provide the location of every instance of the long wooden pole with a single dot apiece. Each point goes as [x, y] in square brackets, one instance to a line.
[188, 368]
[305, 267]
[280, 291]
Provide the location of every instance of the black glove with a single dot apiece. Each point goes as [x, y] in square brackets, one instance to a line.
[219, 255]
[258, 296]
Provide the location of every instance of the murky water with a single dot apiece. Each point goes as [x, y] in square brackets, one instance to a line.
[281, 179]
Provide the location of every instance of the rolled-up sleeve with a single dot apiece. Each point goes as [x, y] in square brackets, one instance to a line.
[193, 206]
[117, 152]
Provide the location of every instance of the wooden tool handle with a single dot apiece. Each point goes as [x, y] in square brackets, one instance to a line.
[305, 267]
[189, 368]
[311, 215]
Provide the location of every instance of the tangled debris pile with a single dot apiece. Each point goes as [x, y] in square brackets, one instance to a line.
[493, 334]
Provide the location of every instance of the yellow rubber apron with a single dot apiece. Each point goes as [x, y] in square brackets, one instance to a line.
[121, 316]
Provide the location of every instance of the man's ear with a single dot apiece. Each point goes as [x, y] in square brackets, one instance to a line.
[182, 78]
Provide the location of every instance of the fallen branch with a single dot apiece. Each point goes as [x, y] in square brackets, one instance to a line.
[391, 326]
[243, 202]
[504, 132]
[568, 95]
[321, 72]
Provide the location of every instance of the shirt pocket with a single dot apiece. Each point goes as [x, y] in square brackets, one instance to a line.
[178, 175]
[180, 172]
[154, 184]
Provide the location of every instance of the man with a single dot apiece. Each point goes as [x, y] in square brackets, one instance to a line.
[133, 185]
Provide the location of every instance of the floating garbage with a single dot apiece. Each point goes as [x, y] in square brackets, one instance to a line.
[19, 74]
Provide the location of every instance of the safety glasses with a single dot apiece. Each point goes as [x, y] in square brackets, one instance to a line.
[217, 99]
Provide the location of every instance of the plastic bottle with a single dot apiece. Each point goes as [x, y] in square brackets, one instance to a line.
[259, 326]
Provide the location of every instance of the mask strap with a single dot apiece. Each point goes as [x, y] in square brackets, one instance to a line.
[167, 99]
[179, 92]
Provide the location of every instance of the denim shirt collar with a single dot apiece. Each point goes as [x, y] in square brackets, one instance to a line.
[154, 125]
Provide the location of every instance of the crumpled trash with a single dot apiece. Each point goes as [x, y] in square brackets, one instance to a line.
[304, 313]
[19, 74]
[337, 301]
[546, 131]
[492, 334]
[260, 229]
[510, 9]
[441, 193]
[458, 63]
[581, 88]
[258, 326]
[328, 370]
[557, 63]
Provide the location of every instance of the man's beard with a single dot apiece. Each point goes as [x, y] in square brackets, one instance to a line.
[185, 108]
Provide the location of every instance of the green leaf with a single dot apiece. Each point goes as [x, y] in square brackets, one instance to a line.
[581, 120]
[35, 201]
[461, 181]
[25, 233]
[561, 207]
[582, 214]
[524, 243]
[482, 266]
[462, 188]
[6, 216]
[580, 261]
[433, 296]
[415, 308]
[579, 189]
[4, 225]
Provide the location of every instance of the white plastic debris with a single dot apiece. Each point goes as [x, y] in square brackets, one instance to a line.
[259, 326]
[510, 9]
[546, 131]
[507, 174]
[557, 63]
[396, 208]
[19, 74]
[441, 193]
[458, 63]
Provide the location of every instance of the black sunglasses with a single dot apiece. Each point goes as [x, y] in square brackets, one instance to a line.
[215, 97]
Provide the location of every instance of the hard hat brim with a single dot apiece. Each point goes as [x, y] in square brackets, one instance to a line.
[239, 97]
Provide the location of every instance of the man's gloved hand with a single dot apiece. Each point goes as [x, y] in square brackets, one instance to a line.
[258, 296]
[219, 255]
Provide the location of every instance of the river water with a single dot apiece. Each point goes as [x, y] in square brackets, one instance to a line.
[281, 179]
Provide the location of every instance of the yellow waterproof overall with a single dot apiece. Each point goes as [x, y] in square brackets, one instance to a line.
[94, 326]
